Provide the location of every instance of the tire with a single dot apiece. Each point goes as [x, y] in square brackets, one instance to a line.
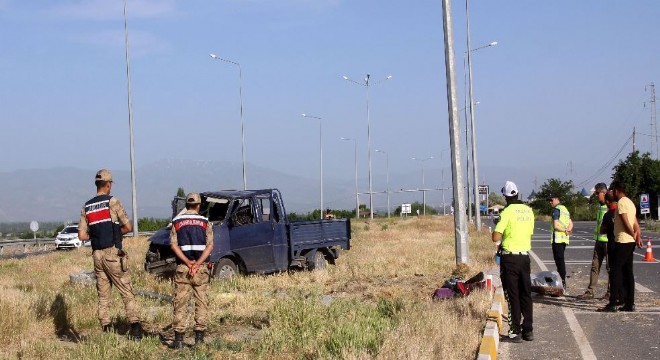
[317, 261]
[225, 268]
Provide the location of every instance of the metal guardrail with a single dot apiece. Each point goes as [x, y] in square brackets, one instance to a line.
[49, 241]
[25, 243]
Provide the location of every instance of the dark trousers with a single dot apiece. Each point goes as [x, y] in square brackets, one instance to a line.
[558, 254]
[621, 273]
[517, 285]
[600, 253]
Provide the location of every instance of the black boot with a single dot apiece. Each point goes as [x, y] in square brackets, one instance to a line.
[199, 337]
[178, 341]
[136, 332]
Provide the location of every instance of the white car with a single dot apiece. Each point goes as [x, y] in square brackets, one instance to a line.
[68, 238]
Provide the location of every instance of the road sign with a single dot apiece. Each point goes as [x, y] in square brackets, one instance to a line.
[406, 208]
[484, 190]
[644, 205]
[34, 226]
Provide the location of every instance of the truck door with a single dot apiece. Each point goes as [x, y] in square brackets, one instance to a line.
[251, 237]
[280, 243]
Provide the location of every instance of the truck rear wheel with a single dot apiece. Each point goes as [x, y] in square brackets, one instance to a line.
[225, 268]
[317, 261]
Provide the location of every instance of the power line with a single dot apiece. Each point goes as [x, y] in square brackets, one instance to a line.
[607, 165]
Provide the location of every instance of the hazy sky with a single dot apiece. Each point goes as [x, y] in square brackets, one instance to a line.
[559, 95]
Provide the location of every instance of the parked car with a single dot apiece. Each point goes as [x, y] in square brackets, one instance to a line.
[68, 238]
[252, 234]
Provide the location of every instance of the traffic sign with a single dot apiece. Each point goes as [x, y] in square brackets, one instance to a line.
[34, 226]
[644, 205]
[484, 190]
[406, 208]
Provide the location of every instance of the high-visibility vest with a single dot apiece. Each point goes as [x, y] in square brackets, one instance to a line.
[564, 219]
[191, 235]
[602, 210]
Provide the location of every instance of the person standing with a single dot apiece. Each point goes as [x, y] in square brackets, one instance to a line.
[561, 227]
[607, 228]
[514, 231]
[191, 240]
[627, 235]
[103, 220]
[600, 247]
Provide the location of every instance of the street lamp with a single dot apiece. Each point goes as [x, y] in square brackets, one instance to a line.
[423, 181]
[320, 157]
[387, 159]
[475, 176]
[357, 193]
[130, 123]
[240, 94]
[366, 85]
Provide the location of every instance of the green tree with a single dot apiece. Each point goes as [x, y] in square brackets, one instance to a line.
[180, 192]
[496, 199]
[640, 174]
[553, 186]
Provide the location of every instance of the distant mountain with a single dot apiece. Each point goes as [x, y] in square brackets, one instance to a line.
[57, 194]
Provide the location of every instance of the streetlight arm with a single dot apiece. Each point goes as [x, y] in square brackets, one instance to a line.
[216, 57]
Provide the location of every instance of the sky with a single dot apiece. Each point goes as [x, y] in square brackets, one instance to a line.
[559, 95]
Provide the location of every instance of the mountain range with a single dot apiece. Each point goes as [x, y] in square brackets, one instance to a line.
[57, 194]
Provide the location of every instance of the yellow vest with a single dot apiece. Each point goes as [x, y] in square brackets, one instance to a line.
[564, 219]
[602, 210]
[516, 226]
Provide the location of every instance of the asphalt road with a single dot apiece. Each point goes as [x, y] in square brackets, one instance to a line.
[565, 328]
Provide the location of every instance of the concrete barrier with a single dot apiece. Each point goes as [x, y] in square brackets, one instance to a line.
[490, 340]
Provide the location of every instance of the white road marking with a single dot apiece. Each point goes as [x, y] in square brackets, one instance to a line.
[583, 344]
[640, 288]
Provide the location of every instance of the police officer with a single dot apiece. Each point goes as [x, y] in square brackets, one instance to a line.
[561, 227]
[191, 240]
[600, 248]
[103, 220]
[514, 231]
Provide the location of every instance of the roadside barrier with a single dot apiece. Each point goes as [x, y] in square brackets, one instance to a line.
[649, 252]
[490, 340]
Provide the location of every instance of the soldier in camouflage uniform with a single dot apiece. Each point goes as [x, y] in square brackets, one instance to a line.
[103, 220]
[191, 240]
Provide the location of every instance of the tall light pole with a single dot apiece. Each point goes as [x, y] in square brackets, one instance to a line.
[320, 157]
[240, 94]
[387, 159]
[467, 149]
[130, 123]
[366, 85]
[442, 177]
[423, 181]
[475, 167]
[357, 192]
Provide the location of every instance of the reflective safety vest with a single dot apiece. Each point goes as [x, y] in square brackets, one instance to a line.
[191, 235]
[564, 219]
[602, 210]
[516, 226]
[103, 233]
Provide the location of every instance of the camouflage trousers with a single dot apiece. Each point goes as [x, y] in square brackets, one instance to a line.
[184, 285]
[109, 273]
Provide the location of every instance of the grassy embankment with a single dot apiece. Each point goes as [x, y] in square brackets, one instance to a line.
[374, 304]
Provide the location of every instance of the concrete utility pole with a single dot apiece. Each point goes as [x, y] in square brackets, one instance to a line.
[475, 167]
[130, 123]
[460, 221]
[654, 124]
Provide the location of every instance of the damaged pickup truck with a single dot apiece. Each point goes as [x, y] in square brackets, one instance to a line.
[252, 234]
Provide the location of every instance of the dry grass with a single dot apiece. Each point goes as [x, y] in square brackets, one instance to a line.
[375, 303]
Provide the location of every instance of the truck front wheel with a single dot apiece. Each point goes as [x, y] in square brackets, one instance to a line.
[225, 268]
[317, 261]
